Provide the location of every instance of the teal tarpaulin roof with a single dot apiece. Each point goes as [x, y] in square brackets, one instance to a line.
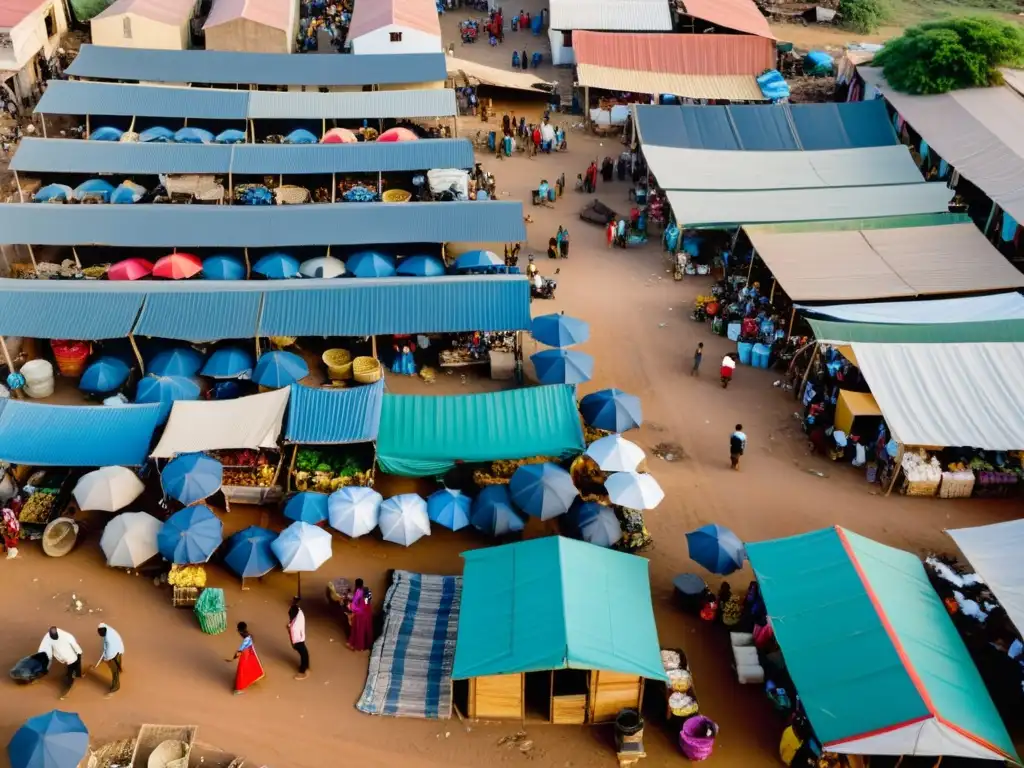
[555, 603]
[873, 654]
[426, 435]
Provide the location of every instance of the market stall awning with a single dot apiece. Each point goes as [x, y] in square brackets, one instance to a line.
[555, 603]
[854, 225]
[877, 662]
[52, 309]
[995, 553]
[425, 435]
[466, 72]
[883, 263]
[701, 208]
[948, 394]
[966, 309]
[251, 422]
[210, 315]
[330, 416]
[39, 434]
[740, 15]
[918, 333]
[727, 87]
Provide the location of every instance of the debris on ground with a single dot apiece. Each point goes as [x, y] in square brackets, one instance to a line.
[669, 451]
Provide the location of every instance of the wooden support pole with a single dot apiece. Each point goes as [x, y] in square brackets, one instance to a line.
[334, 187]
[373, 346]
[186, 122]
[586, 106]
[32, 256]
[138, 354]
[21, 194]
[750, 270]
[88, 131]
[231, 188]
[248, 266]
[380, 183]
[10, 362]
[43, 117]
[991, 218]
[807, 370]
[792, 319]
[771, 296]
[74, 252]
[323, 128]
[131, 126]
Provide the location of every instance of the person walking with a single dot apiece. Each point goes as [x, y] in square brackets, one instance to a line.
[525, 61]
[59, 645]
[698, 355]
[249, 669]
[112, 655]
[737, 445]
[297, 636]
[360, 619]
[563, 243]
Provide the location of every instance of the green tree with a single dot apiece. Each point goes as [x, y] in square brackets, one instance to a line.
[941, 56]
[863, 16]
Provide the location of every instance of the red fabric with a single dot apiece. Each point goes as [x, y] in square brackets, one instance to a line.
[748, 327]
[249, 671]
[360, 623]
[611, 232]
[727, 372]
[536, 136]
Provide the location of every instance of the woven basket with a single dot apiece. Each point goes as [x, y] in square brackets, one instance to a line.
[920, 487]
[281, 342]
[396, 196]
[339, 364]
[59, 537]
[71, 361]
[184, 597]
[366, 370]
[291, 195]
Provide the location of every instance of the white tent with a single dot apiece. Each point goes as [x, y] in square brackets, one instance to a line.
[995, 552]
[967, 309]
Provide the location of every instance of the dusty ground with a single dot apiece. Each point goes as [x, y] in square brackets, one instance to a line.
[642, 340]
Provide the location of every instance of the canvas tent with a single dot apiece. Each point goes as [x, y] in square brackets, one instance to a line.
[995, 553]
[965, 309]
[918, 333]
[873, 654]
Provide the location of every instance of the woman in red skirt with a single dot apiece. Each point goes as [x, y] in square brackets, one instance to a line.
[249, 670]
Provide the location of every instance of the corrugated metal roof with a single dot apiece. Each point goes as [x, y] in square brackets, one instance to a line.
[728, 87]
[200, 316]
[887, 222]
[244, 68]
[431, 102]
[675, 54]
[50, 309]
[738, 15]
[411, 14]
[77, 156]
[334, 416]
[362, 307]
[76, 435]
[612, 15]
[242, 226]
[173, 12]
[270, 13]
[13, 12]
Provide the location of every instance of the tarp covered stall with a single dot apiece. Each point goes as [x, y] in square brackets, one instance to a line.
[922, 333]
[466, 72]
[46, 309]
[994, 551]
[39, 434]
[948, 394]
[883, 263]
[877, 662]
[425, 435]
[967, 309]
[725, 87]
[334, 416]
[851, 405]
[252, 422]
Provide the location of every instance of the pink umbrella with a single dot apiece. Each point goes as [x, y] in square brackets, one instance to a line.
[130, 269]
[339, 136]
[397, 134]
[178, 266]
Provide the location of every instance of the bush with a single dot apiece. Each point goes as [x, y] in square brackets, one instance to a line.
[863, 16]
[941, 56]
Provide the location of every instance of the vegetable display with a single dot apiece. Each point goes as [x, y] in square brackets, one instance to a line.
[247, 468]
[187, 576]
[38, 508]
[328, 470]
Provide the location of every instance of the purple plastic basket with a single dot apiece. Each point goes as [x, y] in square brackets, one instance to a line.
[694, 746]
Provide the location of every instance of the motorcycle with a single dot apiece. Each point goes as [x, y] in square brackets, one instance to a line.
[545, 290]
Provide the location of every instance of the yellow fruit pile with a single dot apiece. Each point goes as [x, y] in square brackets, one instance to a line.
[187, 576]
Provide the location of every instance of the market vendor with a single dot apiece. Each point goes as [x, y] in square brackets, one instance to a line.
[11, 532]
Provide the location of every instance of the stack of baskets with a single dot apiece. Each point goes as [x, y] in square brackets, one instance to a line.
[211, 611]
[339, 364]
[71, 356]
[366, 370]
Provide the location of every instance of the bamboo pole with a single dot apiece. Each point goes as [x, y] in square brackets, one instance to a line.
[291, 469]
[138, 354]
[380, 182]
[44, 126]
[32, 256]
[323, 128]
[88, 130]
[21, 194]
[248, 268]
[334, 187]
[131, 126]
[771, 296]
[74, 252]
[792, 319]
[9, 361]
[586, 106]
[186, 122]
[231, 188]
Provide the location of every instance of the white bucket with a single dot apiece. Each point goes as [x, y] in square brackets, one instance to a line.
[37, 371]
[40, 390]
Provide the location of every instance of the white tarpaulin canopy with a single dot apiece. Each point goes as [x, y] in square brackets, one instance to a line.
[969, 309]
[948, 394]
[995, 552]
[217, 425]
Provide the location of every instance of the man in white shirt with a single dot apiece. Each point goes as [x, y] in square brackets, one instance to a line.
[297, 637]
[61, 646]
[112, 656]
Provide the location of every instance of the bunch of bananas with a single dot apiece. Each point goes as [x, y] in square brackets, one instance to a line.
[187, 576]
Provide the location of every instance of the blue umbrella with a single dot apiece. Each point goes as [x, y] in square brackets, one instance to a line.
[191, 477]
[177, 361]
[190, 535]
[370, 264]
[307, 508]
[562, 366]
[53, 192]
[717, 549]
[479, 260]
[301, 136]
[612, 410]
[279, 369]
[223, 266]
[228, 363]
[277, 266]
[542, 490]
[230, 136]
[94, 188]
[493, 512]
[157, 134]
[106, 133]
[421, 266]
[104, 375]
[559, 330]
[193, 136]
[249, 554]
[165, 390]
[54, 740]
[597, 524]
[449, 508]
[127, 193]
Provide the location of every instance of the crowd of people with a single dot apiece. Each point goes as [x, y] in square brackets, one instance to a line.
[334, 16]
[532, 138]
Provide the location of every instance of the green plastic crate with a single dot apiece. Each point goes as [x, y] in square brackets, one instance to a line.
[211, 612]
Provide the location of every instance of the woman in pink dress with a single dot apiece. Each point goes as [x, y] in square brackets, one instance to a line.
[250, 669]
[360, 619]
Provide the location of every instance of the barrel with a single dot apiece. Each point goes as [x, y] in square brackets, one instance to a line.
[745, 349]
[38, 378]
[629, 727]
[760, 355]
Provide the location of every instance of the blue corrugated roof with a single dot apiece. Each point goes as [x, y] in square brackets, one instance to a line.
[242, 226]
[326, 416]
[77, 97]
[46, 309]
[76, 435]
[200, 315]
[229, 67]
[77, 156]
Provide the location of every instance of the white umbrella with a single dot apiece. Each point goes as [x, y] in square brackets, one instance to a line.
[615, 453]
[322, 266]
[129, 539]
[108, 489]
[634, 490]
[404, 519]
[302, 547]
[354, 510]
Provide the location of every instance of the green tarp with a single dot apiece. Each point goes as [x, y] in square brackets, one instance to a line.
[848, 225]
[555, 603]
[422, 435]
[930, 333]
[873, 654]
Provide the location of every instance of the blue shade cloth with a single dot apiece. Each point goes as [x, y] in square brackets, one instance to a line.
[106, 374]
[449, 508]
[334, 416]
[716, 549]
[157, 134]
[307, 508]
[370, 264]
[106, 133]
[278, 369]
[192, 477]
[559, 330]
[493, 512]
[177, 361]
[165, 390]
[300, 136]
[562, 366]
[223, 267]
[201, 312]
[190, 536]
[54, 192]
[54, 740]
[228, 363]
[421, 266]
[230, 136]
[249, 554]
[542, 490]
[478, 260]
[277, 266]
[612, 410]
